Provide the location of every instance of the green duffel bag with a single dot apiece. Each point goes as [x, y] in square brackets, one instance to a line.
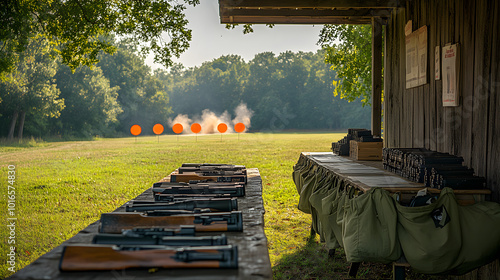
[480, 226]
[302, 173]
[301, 163]
[320, 192]
[431, 235]
[332, 225]
[310, 180]
[370, 228]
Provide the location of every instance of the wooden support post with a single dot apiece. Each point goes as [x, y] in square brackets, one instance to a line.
[376, 77]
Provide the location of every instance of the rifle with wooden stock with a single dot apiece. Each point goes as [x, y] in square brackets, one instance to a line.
[115, 222]
[203, 168]
[182, 230]
[219, 176]
[106, 257]
[221, 205]
[184, 197]
[233, 191]
[174, 241]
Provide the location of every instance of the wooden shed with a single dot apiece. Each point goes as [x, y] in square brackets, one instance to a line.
[441, 80]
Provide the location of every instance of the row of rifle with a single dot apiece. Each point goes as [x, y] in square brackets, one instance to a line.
[342, 147]
[433, 169]
[162, 233]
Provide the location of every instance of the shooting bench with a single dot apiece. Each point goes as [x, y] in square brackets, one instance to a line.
[365, 175]
[253, 257]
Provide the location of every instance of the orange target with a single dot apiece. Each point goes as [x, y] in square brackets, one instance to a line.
[177, 128]
[222, 127]
[136, 130]
[158, 129]
[196, 128]
[239, 127]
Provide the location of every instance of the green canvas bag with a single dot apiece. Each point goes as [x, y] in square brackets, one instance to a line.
[310, 180]
[320, 192]
[302, 174]
[332, 225]
[445, 237]
[297, 168]
[480, 226]
[430, 235]
[369, 228]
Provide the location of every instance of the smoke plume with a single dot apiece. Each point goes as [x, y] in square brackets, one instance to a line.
[209, 120]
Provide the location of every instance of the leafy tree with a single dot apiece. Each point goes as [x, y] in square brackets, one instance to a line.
[91, 104]
[29, 88]
[348, 50]
[141, 95]
[75, 26]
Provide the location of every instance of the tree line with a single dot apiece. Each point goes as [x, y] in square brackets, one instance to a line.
[44, 97]
[285, 91]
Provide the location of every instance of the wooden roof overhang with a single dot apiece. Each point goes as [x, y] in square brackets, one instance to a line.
[305, 12]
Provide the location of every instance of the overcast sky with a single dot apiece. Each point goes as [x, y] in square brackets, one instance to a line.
[211, 39]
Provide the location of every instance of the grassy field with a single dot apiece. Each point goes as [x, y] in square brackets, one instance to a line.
[61, 187]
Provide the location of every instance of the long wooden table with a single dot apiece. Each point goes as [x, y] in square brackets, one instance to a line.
[253, 256]
[365, 175]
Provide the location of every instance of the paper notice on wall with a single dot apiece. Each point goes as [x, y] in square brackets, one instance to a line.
[411, 61]
[450, 75]
[421, 34]
[416, 58]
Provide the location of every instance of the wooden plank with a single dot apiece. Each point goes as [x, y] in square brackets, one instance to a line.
[387, 110]
[401, 81]
[468, 80]
[294, 20]
[483, 36]
[376, 123]
[335, 13]
[431, 92]
[454, 119]
[440, 132]
[493, 160]
[312, 3]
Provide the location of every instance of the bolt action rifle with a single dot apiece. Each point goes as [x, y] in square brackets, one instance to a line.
[184, 169]
[221, 205]
[115, 222]
[106, 257]
[182, 197]
[219, 176]
[233, 191]
[182, 230]
[174, 241]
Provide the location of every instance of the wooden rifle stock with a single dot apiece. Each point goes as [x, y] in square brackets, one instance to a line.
[117, 221]
[105, 257]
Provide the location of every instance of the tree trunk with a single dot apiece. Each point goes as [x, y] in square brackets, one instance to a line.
[13, 125]
[21, 126]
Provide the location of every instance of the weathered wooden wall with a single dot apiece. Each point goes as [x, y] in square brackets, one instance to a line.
[416, 117]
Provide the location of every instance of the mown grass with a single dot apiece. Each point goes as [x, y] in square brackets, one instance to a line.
[61, 187]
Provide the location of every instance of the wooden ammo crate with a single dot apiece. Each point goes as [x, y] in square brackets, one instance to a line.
[366, 150]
